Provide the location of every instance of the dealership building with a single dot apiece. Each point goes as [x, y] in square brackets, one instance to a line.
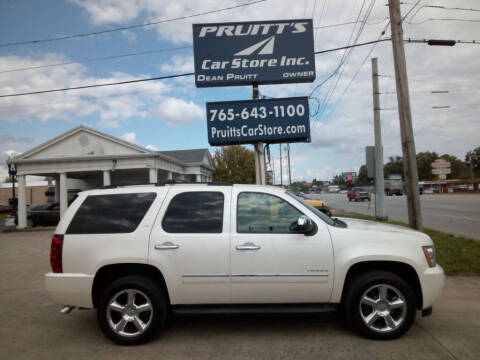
[83, 159]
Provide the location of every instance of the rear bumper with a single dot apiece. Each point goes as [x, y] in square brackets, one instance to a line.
[432, 282]
[70, 289]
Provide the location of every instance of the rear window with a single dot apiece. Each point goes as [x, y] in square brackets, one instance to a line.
[111, 214]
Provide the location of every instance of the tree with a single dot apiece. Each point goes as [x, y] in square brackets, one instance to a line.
[458, 167]
[424, 164]
[394, 166]
[338, 180]
[234, 164]
[362, 178]
[473, 159]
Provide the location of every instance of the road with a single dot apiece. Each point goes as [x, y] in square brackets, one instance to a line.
[33, 328]
[457, 214]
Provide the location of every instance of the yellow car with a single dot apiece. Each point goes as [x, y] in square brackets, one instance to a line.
[320, 205]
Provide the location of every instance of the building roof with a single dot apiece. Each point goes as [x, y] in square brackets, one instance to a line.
[187, 156]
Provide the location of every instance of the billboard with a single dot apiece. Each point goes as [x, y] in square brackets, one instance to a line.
[250, 121]
[349, 176]
[262, 52]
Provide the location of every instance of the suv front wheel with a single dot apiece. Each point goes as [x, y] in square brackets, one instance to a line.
[380, 305]
[131, 309]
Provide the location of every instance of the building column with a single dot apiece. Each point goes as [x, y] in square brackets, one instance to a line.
[169, 175]
[106, 178]
[152, 175]
[199, 178]
[63, 194]
[57, 188]
[22, 202]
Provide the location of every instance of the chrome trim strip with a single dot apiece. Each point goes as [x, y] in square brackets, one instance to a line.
[204, 275]
[288, 275]
[251, 275]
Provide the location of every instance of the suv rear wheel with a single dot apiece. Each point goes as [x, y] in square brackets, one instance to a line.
[131, 309]
[380, 305]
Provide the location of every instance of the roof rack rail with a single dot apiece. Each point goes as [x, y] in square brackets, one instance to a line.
[167, 182]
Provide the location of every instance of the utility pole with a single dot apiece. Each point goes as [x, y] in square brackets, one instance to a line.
[259, 152]
[289, 171]
[379, 184]
[281, 167]
[410, 170]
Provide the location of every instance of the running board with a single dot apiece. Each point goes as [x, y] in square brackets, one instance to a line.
[254, 309]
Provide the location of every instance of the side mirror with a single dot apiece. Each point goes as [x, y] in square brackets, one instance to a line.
[305, 225]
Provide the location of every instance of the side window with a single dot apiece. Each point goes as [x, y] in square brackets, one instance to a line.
[110, 214]
[195, 212]
[264, 213]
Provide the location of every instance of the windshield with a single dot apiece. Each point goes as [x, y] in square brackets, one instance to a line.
[317, 212]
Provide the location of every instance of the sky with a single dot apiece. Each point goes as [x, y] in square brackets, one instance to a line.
[170, 114]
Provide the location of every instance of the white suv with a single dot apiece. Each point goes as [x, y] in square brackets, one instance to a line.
[138, 253]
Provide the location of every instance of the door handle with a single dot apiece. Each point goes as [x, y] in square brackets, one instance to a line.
[166, 246]
[248, 246]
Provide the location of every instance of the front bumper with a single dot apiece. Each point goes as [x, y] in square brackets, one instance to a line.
[432, 282]
[70, 289]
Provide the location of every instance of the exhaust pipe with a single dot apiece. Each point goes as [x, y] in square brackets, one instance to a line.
[67, 309]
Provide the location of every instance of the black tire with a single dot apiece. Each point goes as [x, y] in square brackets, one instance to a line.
[349, 199]
[30, 223]
[353, 308]
[146, 289]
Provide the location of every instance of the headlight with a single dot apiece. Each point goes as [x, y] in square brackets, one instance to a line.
[429, 252]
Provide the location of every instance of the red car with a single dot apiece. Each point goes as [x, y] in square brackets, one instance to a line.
[5, 209]
[358, 194]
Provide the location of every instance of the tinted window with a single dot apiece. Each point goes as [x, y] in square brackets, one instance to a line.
[195, 212]
[110, 214]
[263, 213]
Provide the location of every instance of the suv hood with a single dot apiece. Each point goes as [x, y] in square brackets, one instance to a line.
[357, 224]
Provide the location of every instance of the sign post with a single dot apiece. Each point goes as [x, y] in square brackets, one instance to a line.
[258, 150]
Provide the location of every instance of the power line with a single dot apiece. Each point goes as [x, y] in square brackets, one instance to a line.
[352, 46]
[374, 42]
[349, 23]
[97, 59]
[443, 7]
[130, 27]
[99, 85]
[440, 19]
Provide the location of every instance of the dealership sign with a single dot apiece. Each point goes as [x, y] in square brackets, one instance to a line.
[262, 52]
[250, 121]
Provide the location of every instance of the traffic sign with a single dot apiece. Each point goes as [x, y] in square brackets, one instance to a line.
[442, 177]
[441, 171]
[249, 121]
[258, 52]
[440, 163]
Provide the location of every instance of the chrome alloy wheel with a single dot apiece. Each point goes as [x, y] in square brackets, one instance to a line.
[383, 308]
[129, 312]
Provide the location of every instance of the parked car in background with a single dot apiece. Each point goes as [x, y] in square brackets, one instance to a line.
[393, 187]
[320, 205]
[5, 209]
[46, 214]
[358, 194]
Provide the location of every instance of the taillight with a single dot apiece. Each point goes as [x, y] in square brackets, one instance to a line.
[56, 253]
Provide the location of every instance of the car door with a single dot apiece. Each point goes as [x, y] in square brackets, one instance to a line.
[190, 244]
[271, 263]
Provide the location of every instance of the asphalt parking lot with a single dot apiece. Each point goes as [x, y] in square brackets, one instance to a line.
[34, 329]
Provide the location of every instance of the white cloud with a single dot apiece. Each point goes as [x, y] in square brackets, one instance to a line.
[113, 104]
[175, 111]
[151, 147]
[130, 137]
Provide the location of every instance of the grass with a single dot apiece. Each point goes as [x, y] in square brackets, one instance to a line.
[456, 254]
